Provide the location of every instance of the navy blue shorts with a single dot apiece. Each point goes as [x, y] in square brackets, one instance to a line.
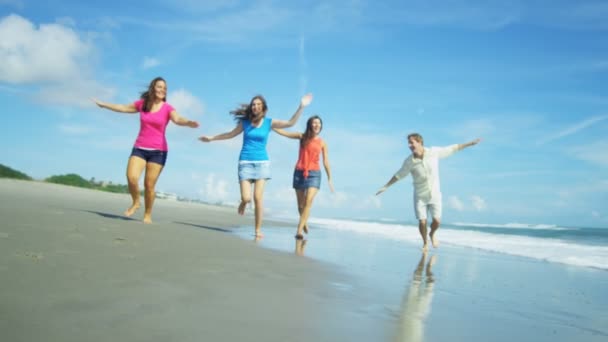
[312, 181]
[150, 156]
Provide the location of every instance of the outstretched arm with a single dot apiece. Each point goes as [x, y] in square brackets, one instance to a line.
[224, 136]
[126, 108]
[182, 121]
[469, 144]
[304, 102]
[327, 168]
[402, 173]
[292, 135]
[392, 181]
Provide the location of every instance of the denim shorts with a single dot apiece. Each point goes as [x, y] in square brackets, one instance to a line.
[254, 170]
[312, 181]
[150, 156]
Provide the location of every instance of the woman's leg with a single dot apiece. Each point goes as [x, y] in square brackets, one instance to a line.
[310, 196]
[301, 198]
[153, 170]
[245, 196]
[135, 167]
[258, 200]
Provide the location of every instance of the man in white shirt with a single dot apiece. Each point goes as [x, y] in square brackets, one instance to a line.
[423, 164]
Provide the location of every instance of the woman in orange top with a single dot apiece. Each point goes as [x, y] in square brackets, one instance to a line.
[307, 174]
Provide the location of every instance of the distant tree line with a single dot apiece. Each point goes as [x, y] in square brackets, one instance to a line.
[7, 172]
[71, 179]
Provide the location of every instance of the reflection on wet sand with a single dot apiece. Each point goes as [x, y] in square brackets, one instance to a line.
[300, 244]
[416, 303]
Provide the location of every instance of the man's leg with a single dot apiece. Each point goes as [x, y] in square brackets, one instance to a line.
[435, 209]
[420, 209]
[434, 227]
[422, 230]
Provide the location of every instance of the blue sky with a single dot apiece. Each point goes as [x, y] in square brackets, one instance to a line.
[528, 77]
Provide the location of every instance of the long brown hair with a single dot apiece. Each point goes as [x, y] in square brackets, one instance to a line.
[244, 112]
[149, 94]
[309, 134]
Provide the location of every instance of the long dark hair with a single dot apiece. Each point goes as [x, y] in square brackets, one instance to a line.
[244, 112]
[149, 94]
[309, 134]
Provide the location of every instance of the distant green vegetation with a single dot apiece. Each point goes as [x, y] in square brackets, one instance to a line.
[71, 179]
[76, 180]
[7, 172]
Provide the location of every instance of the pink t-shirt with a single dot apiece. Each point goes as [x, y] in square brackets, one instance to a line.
[152, 127]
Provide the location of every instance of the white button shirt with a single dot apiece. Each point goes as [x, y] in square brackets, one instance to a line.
[425, 172]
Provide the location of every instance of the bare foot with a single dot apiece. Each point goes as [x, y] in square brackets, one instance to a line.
[305, 228]
[299, 236]
[147, 219]
[241, 209]
[433, 240]
[425, 248]
[258, 234]
[132, 209]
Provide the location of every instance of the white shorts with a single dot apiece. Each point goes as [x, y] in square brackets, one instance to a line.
[433, 206]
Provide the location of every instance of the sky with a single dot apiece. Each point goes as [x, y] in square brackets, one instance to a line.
[527, 77]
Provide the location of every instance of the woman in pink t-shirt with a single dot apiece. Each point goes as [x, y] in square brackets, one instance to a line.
[150, 148]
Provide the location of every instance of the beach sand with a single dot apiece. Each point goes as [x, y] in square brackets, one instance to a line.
[72, 268]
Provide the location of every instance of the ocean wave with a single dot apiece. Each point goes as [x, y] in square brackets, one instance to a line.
[551, 250]
[512, 225]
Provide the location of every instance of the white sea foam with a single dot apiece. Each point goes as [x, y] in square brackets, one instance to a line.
[512, 225]
[552, 250]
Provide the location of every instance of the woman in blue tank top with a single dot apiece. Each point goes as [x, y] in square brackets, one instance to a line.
[254, 164]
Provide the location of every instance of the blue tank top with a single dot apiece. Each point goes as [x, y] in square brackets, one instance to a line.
[254, 141]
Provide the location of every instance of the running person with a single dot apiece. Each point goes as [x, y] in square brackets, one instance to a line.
[150, 148]
[423, 164]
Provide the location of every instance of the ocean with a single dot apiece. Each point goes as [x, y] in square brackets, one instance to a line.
[576, 246]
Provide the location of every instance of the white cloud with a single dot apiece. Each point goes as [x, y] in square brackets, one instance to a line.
[214, 189]
[478, 203]
[150, 62]
[53, 57]
[186, 104]
[455, 203]
[326, 199]
[594, 153]
[573, 129]
[48, 53]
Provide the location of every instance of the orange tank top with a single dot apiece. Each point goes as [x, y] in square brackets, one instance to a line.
[308, 160]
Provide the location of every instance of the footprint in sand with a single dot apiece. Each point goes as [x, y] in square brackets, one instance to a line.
[119, 240]
[32, 255]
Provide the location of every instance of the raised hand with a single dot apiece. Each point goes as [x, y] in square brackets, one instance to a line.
[205, 138]
[306, 100]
